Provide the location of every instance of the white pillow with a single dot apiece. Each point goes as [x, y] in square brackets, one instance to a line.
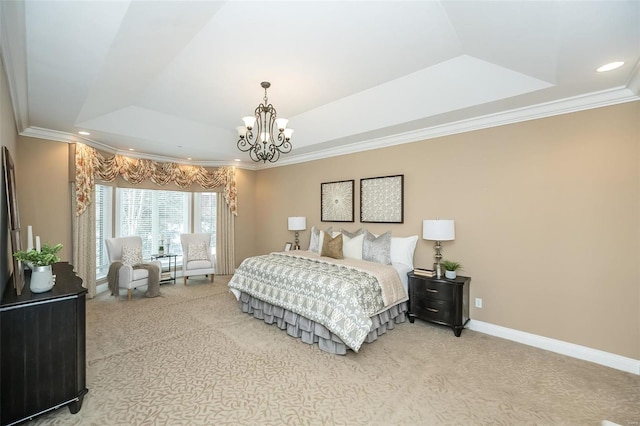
[352, 247]
[402, 249]
[131, 255]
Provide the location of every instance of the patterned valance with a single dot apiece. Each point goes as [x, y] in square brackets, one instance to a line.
[91, 164]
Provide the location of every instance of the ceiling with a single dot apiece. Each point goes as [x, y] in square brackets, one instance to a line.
[172, 79]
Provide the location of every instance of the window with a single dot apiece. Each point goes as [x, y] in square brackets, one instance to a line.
[103, 197]
[205, 214]
[159, 217]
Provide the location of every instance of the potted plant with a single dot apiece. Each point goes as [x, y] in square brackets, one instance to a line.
[40, 264]
[450, 268]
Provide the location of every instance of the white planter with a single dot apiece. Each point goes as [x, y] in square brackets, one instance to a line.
[41, 279]
[450, 274]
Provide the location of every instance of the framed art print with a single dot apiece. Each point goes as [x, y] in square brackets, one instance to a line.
[336, 201]
[382, 199]
[11, 189]
[18, 268]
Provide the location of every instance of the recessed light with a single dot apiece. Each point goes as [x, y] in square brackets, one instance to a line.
[237, 159]
[189, 158]
[131, 149]
[82, 132]
[610, 66]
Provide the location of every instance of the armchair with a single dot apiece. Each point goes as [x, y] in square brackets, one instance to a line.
[128, 277]
[196, 255]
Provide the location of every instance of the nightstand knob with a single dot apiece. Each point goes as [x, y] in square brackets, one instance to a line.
[432, 310]
[430, 290]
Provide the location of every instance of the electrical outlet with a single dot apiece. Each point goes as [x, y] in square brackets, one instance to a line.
[478, 302]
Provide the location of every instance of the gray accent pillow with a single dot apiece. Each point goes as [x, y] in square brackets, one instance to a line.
[315, 243]
[377, 249]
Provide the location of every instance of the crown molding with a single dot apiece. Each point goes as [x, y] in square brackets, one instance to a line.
[593, 100]
[565, 106]
[12, 52]
[54, 135]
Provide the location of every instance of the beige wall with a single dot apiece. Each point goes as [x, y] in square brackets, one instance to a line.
[545, 212]
[246, 229]
[45, 192]
[547, 218]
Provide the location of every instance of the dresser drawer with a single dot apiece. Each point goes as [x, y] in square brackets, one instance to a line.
[432, 290]
[433, 310]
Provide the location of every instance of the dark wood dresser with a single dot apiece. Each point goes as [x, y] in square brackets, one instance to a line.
[440, 300]
[42, 357]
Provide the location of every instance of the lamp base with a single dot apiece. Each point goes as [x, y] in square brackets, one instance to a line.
[437, 268]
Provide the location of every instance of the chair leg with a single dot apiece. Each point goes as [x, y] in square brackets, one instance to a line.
[185, 280]
[212, 275]
[129, 293]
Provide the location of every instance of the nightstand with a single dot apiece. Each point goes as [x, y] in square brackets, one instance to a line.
[440, 300]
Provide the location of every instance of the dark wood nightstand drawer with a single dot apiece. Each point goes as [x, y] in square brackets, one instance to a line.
[433, 290]
[433, 310]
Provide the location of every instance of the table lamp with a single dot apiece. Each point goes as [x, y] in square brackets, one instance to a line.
[438, 230]
[297, 223]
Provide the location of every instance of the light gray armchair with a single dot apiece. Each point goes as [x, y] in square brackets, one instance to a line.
[196, 255]
[128, 277]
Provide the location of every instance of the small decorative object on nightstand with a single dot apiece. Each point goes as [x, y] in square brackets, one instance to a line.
[441, 301]
[450, 268]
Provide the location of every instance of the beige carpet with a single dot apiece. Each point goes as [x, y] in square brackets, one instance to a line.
[191, 357]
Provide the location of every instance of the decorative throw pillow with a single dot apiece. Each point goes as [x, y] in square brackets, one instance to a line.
[352, 234]
[197, 251]
[332, 246]
[315, 243]
[377, 249]
[352, 246]
[131, 255]
[402, 249]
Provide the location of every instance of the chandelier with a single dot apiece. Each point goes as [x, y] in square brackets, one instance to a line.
[257, 135]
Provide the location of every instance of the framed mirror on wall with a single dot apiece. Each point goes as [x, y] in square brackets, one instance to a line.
[13, 216]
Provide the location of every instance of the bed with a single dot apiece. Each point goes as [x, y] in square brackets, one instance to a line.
[336, 302]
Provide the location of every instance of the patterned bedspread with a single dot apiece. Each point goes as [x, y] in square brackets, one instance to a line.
[339, 294]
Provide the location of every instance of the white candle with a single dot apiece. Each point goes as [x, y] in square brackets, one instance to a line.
[29, 238]
[37, 243]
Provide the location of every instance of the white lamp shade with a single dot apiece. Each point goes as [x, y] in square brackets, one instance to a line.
[281, 123]
[438, 230]
[297, 223]
[287, 133]
[249, 122]
[242, 131]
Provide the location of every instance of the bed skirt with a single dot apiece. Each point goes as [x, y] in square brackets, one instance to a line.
[311, 332]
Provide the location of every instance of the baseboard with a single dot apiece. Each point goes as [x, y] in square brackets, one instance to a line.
[618, 362]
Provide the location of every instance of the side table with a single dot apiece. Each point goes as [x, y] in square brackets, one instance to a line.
[440, 300]
[170, 273]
